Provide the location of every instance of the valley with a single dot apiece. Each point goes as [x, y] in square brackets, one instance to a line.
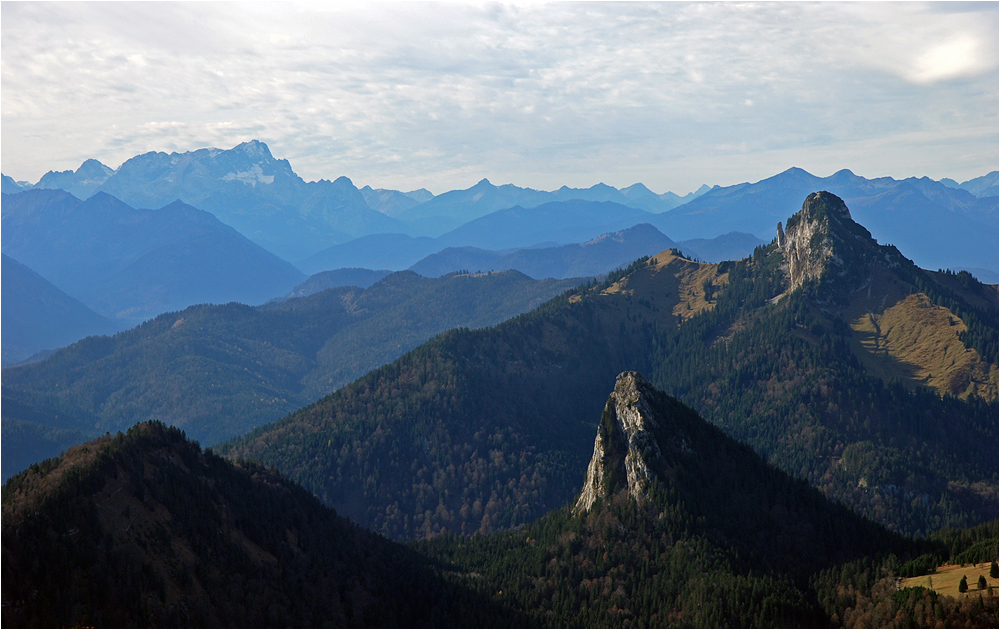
[500, 315]
[447, 413]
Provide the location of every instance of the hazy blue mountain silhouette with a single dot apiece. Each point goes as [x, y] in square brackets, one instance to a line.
[937, 225]
[377, 251]
[9, 186]
[389, 202]
[81, 183]
[133, 264]
[986, 186]
[559, 222]
[247, 188]
[351, 277]
[457, 207]
[592, 258]
[38, 316]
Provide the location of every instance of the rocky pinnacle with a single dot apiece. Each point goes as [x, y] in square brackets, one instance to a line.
[625, 446]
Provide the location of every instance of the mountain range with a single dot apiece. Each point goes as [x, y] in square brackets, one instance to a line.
[39, 317]
[219, 371]
[943, 224]
[452, 209]
[245, 187]
[131, 264]
[939, 226]
[518, 235]
[592, 258]
[825, 351]
[263, 198]
[819, 419]
[735, 340]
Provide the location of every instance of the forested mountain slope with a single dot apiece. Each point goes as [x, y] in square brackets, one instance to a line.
[220, 370]
[145, 529]
[483, 429]
[677, 525]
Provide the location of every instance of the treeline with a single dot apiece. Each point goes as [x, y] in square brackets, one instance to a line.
[221, 370]
[981, 333]
[864, 594]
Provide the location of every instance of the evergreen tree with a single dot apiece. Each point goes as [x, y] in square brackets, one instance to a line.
[963, 586]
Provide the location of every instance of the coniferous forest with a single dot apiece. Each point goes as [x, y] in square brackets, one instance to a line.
[500, 315]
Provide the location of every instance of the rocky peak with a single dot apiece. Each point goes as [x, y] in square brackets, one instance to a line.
[95, 171]
[255, 149]
[626, 451]
[823, 237]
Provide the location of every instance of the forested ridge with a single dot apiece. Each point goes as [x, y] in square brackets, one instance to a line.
[452, 436]
[784, 379]
[481, 429]
[148, 529]
[722, 539]
[145, 529]
[220, 370]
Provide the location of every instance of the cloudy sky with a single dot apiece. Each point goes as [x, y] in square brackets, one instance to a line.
[412, 95]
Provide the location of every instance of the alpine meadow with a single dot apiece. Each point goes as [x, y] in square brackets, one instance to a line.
[566, 315]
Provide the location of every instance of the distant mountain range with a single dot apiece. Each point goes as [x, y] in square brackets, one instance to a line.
[985, 186]
[130, 264]
[592, 258]
[393, 202]
[245, 187]
[939, 226]
[263, 198]
[546, 227]
[457, 207]
[942, 224]
[37, 316]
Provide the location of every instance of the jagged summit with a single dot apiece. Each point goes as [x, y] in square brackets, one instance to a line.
[626, 451]
[822, 236]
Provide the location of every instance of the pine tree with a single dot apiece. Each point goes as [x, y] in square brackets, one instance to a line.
[963, 586]
[994, 570]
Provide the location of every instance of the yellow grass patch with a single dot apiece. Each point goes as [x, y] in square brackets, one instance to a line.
[906, 336]
[945, 580]
[673, 285]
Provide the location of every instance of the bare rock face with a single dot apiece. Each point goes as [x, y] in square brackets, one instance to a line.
[823, 241]
[807, 244]
[625, 450]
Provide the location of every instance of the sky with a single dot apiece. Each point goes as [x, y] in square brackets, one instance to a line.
[440, 95]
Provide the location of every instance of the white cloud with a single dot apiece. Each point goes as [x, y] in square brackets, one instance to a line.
[411, 94]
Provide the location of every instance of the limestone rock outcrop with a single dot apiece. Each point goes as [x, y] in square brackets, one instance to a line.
[822, 241]
[626, 450]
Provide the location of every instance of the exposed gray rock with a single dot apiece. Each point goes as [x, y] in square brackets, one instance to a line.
[820, 237]
[625, 451]
[807, 247]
